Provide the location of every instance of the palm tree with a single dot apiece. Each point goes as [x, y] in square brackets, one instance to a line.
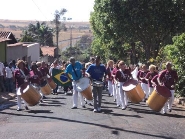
[41, 33]
[57, 17]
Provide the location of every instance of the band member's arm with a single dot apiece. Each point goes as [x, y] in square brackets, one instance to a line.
[160, 78]
[147, 77]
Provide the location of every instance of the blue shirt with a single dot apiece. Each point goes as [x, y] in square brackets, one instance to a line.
[96, 72]
[77, 67]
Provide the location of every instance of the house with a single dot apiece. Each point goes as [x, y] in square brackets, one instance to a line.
[49, 54]
[3, 46]
[8, 35]
[26, 51]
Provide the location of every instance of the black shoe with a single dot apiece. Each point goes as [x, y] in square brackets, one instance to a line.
[26, 107]
[74, 108]
[170, 110]
[18, 109]
[41, 101]
[124, 108]
[43, 97]
[83, 106]
[90, 104]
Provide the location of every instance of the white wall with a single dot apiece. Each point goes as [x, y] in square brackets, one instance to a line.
[34, 51]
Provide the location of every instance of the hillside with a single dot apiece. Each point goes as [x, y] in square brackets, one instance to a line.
[79, 29]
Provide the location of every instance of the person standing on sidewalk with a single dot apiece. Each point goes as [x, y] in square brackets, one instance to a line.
[9, 77]
[2, 72]
[97, 72]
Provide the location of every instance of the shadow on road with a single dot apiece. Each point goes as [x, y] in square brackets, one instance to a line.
[115, 130]
[39, 111]
[156, 113]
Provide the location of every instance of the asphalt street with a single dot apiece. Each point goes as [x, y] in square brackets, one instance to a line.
[54, 119]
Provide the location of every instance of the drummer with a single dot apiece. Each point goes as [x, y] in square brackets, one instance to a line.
[21, 76]
[36, 77]
[115, 88]
[144, 83]
[75, 69]
[96, 72]
[149, 77]
[169, 78]
[109, 69]
[122, 75]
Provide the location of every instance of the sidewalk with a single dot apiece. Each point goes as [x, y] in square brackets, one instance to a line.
[6, 96]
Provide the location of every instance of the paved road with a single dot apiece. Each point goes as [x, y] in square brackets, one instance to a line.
[55, 120]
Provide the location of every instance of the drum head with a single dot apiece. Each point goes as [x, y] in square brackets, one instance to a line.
[82, 84]
[163, 90]
[129, 85]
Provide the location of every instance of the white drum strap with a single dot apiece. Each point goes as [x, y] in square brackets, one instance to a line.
[23, 73]
[122, 73]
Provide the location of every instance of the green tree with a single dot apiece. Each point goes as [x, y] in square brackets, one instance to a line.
[176, 54]
[38, 32]
[152, 22]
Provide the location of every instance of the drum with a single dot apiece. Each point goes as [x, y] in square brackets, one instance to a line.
[133, 90]
[83, 86]
[29, 94]
[51, 83]
[158, 98]
[45, 88]
[97, 83]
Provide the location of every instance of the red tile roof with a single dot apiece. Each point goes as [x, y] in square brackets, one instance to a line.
[46, 50]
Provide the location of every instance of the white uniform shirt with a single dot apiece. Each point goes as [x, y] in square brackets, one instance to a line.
[9, 72]
[1, 68]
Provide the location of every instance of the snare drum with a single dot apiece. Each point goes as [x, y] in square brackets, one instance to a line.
[83, 86]
[29, 94]
[51, 83]
[45, 88]
[133, 90]
[97, 83]
[158, 98]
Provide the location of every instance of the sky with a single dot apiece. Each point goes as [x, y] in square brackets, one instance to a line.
[78, 10]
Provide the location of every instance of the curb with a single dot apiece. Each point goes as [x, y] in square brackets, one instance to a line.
[180, 100]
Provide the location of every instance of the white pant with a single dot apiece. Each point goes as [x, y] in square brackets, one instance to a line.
[114, 91]
[110, 87]
[123, 96]
[169, 103]
[75, 96]
[19, 98]
[145, 89]
[151, 89]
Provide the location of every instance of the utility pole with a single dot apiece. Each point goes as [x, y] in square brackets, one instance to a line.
[57, 35]
[71, 37]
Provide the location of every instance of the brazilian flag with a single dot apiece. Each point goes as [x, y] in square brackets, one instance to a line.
[60, 78]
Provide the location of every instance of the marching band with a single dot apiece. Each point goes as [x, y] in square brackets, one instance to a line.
[88, 81]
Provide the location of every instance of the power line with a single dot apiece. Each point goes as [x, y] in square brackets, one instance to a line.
[39, 9]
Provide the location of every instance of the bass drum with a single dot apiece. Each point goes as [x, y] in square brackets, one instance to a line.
[51, 83]
[133, 91]
[30, 94]
[45, 88]
[83, 86]
[158, 98]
